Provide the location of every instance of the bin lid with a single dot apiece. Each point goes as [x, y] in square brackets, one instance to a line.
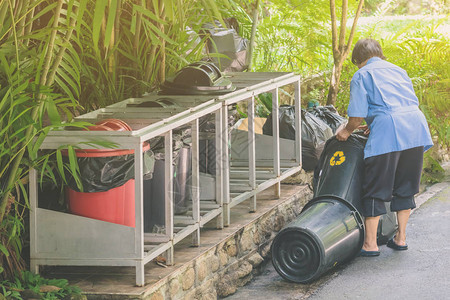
[163, 102]
[113, 124]
[107, 125]
[199, 78]
[106, 152]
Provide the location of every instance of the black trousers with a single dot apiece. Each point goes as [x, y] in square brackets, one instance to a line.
[391, 177]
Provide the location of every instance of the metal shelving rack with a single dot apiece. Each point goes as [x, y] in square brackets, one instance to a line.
[59, 238]
[254, 171]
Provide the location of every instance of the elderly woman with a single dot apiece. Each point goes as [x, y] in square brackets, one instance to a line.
[383, 95]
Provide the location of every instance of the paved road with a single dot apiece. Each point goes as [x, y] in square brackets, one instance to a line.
[422, 272]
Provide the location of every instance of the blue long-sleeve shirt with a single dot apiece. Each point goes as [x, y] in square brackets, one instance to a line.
[383, 94]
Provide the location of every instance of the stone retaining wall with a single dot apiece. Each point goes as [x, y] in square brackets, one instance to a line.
[232, 263]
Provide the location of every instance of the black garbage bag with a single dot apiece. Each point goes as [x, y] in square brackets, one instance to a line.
[286, 115]
[315, 133]
[329, 115]
[228, 43]
[101, 174]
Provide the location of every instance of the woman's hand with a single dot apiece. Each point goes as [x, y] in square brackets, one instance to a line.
[365, 128]
[352, 124]
[343, 134]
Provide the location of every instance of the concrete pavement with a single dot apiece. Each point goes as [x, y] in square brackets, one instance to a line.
[421, 272]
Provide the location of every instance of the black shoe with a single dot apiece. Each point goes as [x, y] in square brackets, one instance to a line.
[391, 244]
[365, 253]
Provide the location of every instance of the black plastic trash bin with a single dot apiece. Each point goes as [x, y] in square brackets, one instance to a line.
[330, 230]
[346, 180]
[340, 170]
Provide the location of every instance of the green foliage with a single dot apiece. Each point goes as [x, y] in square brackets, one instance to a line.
[30, 283]
[39, 86]
[406, 7]
[18, 94]
[302, 42]
[264, 105]
[56, 55]
[291, 35]
[12, 228]
[130, 57]
[432, 171]
[240, 11]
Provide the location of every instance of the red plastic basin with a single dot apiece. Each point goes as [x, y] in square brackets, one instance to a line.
[115, 205]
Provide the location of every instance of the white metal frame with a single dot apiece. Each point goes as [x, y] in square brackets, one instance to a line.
[64, 239]
[260, 176]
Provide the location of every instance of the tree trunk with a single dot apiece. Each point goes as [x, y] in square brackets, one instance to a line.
[334, 84]
[341, 49]
[253, 36]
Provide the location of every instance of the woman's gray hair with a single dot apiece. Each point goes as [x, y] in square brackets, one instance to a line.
[365, 49]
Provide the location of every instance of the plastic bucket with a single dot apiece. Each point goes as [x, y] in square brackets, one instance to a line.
[328, 232]
[116, 205]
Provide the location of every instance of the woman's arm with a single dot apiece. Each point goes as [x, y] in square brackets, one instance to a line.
[353, 123]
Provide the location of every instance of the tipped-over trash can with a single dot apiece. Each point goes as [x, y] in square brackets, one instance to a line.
[329, 231]
[340, 172]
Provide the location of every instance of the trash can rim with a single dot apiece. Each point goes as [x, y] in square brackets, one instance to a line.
[105, 152]
[327, 196]
[358, 217]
